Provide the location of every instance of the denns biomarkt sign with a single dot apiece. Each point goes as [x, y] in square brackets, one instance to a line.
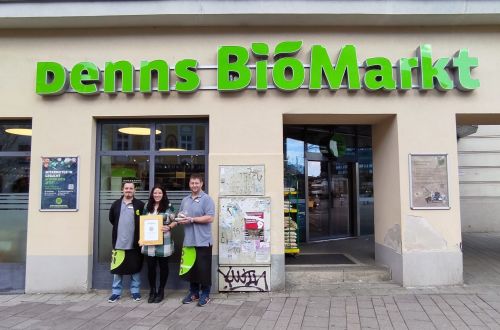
[288, 73]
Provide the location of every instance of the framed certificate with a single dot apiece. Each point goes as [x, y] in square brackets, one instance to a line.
[150, 229]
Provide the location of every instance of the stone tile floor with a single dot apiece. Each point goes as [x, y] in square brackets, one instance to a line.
[356, 306]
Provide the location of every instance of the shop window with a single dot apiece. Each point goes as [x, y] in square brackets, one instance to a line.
[15, 137]
[15, 146]
[180, 137]
[145, 153]
[173, 172]
[125, 137]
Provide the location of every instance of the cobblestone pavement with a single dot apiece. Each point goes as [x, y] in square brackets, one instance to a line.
[356, 306]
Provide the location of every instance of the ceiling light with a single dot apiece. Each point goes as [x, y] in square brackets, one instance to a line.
[172, 149]
[19, 131]
[137, 131]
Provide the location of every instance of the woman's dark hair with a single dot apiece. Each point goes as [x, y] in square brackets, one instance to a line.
[163, 206]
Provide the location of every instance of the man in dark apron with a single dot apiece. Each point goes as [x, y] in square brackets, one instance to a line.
[126, 258]
[197, 213]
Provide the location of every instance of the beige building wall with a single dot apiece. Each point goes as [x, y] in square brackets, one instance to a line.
[246, 127]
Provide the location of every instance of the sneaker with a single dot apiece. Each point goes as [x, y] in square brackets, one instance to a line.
[190, 298]
[113, 298]
[136, 296]
[204, 300]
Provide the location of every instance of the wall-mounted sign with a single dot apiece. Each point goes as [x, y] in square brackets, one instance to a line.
[241, 180]
[238, 66]
[59, 184]
[429, 181]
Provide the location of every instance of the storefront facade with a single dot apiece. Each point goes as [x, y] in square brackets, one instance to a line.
[67, 251]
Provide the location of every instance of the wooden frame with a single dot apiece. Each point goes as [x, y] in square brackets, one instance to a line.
[151, 223]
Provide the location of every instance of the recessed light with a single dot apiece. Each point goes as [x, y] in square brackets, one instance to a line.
[19, 131]
[172, 149]
[137, 131]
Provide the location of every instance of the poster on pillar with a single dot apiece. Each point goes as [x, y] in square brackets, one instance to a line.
[241, 180]
[244, 230]
[59, 186]
[429, 181]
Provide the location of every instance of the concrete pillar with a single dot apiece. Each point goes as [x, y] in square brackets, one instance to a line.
[422, 247]
[250, 141]
[59, 244]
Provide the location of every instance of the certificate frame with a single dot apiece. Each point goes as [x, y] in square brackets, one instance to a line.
[145, 221]
[429, 187]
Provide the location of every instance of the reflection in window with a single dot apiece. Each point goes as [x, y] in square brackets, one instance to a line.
[179, 137]
[15, 137]
[173, 172]
[125, 136]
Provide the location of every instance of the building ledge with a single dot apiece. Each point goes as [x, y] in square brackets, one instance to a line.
[79, 14]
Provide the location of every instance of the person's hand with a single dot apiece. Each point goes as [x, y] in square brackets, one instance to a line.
[184, 221]
[165, 228]
[141, 243]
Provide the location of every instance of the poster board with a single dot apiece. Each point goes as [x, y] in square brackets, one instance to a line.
[241, 180]
[244, 230]
[59, 186]
[429, 181]
[150, 229]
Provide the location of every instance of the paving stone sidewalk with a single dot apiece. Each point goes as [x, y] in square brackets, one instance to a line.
[363, 306]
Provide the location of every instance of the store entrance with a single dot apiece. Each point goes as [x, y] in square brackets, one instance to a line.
[329, 191]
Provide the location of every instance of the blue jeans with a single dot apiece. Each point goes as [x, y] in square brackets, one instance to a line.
[194, 288]
[135, 284]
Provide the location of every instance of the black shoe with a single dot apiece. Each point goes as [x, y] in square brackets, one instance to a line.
[159, 296]
[152, 296]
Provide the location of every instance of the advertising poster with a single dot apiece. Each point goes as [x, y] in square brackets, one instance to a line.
[59, 184]
[241, 180]
[429, 182]
[244, 230]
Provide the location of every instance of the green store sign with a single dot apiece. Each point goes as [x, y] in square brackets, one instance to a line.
[287, 73]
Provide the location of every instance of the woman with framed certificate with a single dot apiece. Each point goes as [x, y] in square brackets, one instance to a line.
[157, 251]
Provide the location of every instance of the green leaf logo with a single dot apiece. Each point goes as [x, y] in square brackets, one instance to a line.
[287, 47]
[260, 49]
[117, 257]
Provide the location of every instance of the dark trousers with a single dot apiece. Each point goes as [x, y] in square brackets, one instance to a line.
[162, 262]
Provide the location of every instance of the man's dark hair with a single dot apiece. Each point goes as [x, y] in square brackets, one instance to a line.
[195, 176]
[125, 182]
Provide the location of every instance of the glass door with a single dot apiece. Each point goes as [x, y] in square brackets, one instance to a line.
[329, 199]
[340, 199]
[318, 201]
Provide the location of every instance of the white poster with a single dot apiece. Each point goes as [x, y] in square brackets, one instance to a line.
[238, 180]
[244, 230]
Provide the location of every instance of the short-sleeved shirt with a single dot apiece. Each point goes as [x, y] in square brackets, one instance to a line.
[198, 234]
[126, 227]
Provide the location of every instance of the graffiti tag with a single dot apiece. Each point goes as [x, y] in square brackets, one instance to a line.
[244, 280]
